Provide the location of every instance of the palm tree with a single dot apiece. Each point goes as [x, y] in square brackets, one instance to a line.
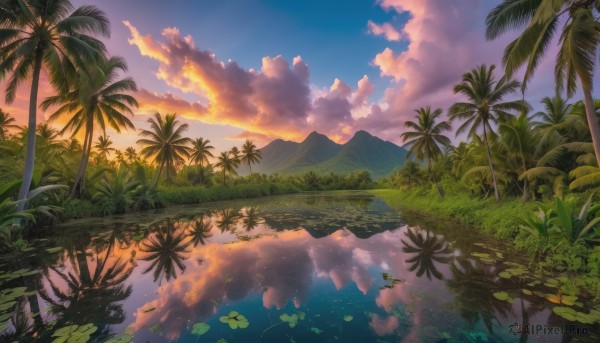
[427, 137]
[577, 45]
[235, 153]
[250, 154]
[103, 146]
[520, 142]
[166, 144]
[36, 35]
[131, 154]
[6, 123]
[484, 106]
[558, 124]
[97, 99]
[227, 163]
[410, 171]
[201, 151]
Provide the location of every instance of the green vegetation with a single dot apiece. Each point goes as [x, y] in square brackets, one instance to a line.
[319, 154]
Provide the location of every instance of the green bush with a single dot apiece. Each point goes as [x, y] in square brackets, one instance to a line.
[198, 194]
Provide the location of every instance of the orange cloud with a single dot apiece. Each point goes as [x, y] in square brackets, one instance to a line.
[275, 101]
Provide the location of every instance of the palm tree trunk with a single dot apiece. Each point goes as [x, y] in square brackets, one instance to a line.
[489, 156]
[157, 175]
[31, 131]
[435, 181]
[224, 182]
[250, 166]
[592, 119]
[79, 185]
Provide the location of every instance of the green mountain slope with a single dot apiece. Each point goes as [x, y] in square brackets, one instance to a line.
[317, 152]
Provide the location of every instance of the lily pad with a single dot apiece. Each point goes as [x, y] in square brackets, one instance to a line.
[235, 320]
[200, 329]
[291, 320]
[316, 330]
[348, 318]
[123, 339]
[504, 297]
[74, 333]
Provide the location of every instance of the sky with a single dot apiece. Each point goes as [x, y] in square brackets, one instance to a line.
[267, 69]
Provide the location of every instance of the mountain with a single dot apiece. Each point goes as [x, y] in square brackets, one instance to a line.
[319, 153]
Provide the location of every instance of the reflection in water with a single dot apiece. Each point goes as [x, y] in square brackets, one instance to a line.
[165, 249]
[427, 249]
[200, 230]
[251, 218]
[323, 256]
[89, 290]
[474, 284]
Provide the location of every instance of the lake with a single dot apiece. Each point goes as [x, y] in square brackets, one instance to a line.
[310, 267]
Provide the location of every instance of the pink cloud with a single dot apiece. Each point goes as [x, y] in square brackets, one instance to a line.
[386, 29]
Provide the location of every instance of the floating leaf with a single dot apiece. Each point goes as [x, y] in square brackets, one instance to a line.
[235, 320]
[503, 296]
[348, 318]
[123, 339]
[316, 330]
[74, 333]
[291, 320]
[149, 309]
[200, 329]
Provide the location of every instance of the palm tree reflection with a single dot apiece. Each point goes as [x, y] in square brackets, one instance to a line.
[228, 217]
[165, 249]
[427, 249]
[90, 296]
[474, 283]
[200, 230]
[251, 218]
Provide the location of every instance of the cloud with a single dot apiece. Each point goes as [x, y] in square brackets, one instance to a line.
[386, 29]
[273, 102]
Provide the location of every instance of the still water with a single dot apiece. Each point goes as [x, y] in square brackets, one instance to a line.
[322, 267]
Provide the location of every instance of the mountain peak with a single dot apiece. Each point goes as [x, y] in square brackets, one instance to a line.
[362, 133]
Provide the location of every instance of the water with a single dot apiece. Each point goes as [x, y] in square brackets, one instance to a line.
[324, 267]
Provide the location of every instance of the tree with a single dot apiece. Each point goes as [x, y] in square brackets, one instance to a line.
[426, 138]
[235, 153]
[36, 35]
[227, 163]
[250, 154]
[131, 154]
[410, 171]
[557, 122]
[578, 44]
[520, 142]
[165, 143]
[103, 146]
[201, 151]
[97, 99]
[6, 123]
[484, 107]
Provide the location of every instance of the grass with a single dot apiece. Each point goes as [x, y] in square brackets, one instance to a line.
[500, 219]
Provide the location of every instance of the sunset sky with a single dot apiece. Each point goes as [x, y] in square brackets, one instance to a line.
[281, 69]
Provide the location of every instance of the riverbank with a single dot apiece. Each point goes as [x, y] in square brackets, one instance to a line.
[576, 264]
[500, 219]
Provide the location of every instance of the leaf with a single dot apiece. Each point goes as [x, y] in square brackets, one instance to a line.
[200, 329]
[503, 296]
[348, 318]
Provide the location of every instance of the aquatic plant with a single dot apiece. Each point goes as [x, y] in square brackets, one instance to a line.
[235, 320]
